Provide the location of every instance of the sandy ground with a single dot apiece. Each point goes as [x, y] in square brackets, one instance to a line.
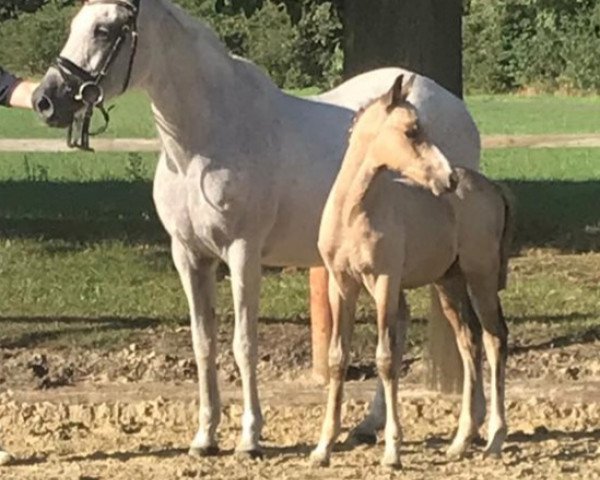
[131, 414]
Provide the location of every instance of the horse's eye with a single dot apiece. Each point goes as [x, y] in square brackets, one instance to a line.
[101, 33]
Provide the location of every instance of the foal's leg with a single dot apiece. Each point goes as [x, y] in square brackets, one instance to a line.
[245, 269]
[342, 309]
[388, 356]
[366, 430]
[198, 280]
[454, 300]
[484, 293]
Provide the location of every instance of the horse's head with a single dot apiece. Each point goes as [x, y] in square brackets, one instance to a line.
[400, 143]
[94, 64]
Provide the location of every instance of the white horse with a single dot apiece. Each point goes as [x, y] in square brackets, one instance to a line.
[245, 169]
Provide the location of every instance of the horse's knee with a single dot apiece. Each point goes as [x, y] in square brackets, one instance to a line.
[244, 353]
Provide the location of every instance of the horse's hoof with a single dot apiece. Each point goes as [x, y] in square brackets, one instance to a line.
[200, 452]
[5, 458]
[362, 438]
[254, 454]
[456, 451]
[391, 461]
[319, 459]
[492, 453]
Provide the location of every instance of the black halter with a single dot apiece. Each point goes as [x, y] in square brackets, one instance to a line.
[87, 85]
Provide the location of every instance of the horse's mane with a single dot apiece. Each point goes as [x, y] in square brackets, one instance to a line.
[193, 26]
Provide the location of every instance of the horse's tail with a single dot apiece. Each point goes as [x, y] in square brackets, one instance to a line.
[508, 233]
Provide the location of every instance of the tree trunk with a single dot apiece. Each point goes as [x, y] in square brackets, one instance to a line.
[421, 35]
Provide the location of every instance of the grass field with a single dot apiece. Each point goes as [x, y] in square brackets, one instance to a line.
[84, 259]
[495, 114]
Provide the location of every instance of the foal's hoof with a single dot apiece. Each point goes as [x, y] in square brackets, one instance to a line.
[254, 454]
[361, 438]
[5, 458]
[201, 452]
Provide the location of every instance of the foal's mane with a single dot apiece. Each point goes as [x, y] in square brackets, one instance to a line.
[365, 106]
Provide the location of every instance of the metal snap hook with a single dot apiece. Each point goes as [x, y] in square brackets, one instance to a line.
[90, 93]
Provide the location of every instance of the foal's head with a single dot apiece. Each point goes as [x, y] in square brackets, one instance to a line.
[396, 140]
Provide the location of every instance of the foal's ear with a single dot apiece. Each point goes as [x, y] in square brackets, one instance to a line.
[401, 89]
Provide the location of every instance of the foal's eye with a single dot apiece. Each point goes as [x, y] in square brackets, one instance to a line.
[101, 33]
[412, 132]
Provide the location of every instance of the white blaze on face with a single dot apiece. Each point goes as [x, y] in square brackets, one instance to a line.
[80, 48]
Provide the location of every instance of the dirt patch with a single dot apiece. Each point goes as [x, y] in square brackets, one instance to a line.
[147, 439]
[131, 413]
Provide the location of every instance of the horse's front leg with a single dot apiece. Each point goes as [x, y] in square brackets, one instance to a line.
[245, 269]
[198, 279]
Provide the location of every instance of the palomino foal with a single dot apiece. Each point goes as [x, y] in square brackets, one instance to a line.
[388, 233]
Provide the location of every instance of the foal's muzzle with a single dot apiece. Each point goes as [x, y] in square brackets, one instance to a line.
[453, 181]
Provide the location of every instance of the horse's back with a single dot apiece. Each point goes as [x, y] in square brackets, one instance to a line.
[444, 116]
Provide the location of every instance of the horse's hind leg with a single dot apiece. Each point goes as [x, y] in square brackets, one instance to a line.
[391, 305]
[342, 308]
[484, 293]
[456, 306]
[198, 279]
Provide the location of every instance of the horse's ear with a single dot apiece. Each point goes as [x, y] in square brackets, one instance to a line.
[401, 89]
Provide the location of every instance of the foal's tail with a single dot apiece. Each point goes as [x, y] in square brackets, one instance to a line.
[508, 233]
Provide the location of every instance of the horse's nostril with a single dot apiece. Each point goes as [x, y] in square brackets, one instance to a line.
[44, 107]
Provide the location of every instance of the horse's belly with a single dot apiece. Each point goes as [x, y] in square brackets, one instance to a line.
[292, 241]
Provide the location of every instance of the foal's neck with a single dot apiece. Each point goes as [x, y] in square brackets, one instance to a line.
[354, 197]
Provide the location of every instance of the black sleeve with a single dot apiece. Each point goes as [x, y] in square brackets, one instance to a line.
[8, 82]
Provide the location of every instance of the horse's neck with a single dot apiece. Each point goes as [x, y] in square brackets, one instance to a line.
[191, 80]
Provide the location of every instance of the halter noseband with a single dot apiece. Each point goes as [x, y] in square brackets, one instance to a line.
[87, 84]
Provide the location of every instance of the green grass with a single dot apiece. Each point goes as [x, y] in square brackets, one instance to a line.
[98, 197]
[495, 114]
[511, 114]
[78, 167]
[131, 118]
[84, 259]
[56, 295]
